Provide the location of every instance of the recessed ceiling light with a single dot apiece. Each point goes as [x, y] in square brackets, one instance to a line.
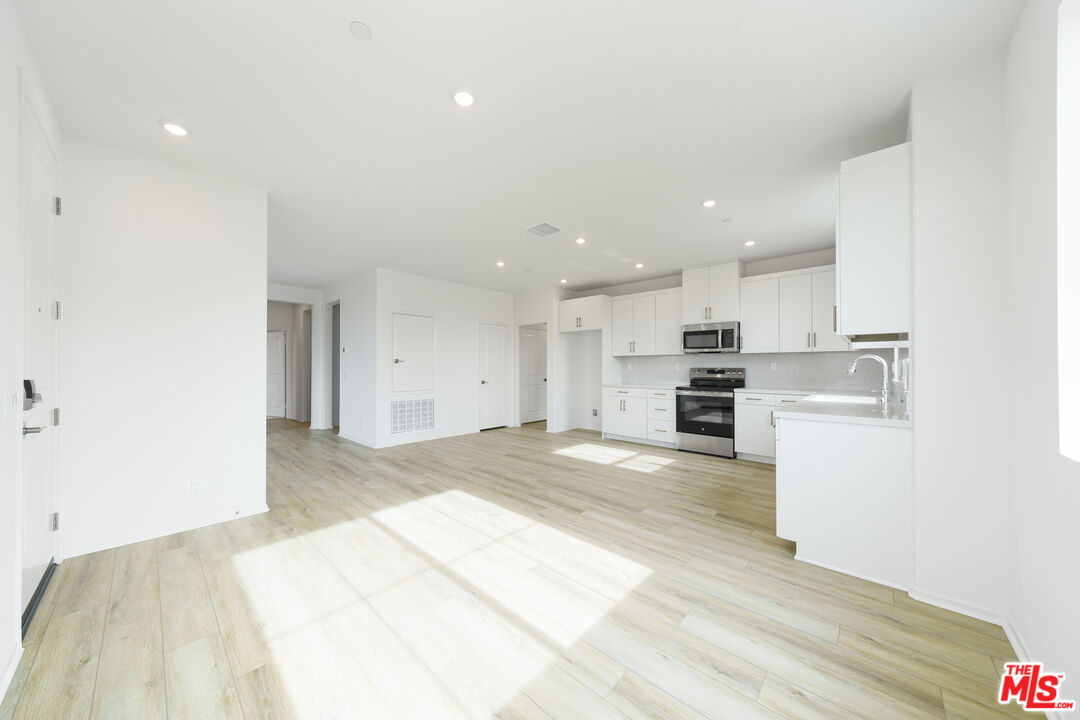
[749, 243]
[463, 98]
[563, 281]
[640, 265]
[174, 128]
[708, 203]
[727, 220]
[360, 31]
[500, 264]
[580, 241]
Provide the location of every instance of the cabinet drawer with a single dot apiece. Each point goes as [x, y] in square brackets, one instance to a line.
[755, 399]
[661, 409]
[787, 400]
[661, 430]
[625, 391]
[660, 394]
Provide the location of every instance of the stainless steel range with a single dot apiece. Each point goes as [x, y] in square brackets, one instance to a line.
[705, 410]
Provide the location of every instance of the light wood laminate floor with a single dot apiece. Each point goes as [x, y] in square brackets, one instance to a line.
[511, 573]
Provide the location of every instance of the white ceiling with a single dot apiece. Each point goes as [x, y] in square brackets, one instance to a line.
[611, 120]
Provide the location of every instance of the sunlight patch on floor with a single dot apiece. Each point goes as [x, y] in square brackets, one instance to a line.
[607, 455]
[446, 606]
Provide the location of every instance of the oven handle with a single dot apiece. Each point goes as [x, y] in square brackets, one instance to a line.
[705, 393]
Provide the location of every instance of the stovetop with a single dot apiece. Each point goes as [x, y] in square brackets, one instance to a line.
[711, 378]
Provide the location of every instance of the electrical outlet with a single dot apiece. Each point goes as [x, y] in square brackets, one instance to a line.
[772, 366]
[345, 375]
[594, 412]
[196, 487]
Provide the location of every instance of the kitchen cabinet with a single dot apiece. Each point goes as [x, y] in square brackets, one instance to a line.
[791, 312]
[647, 324]
[711, 294]
[824, 309]
[760, 325]
[843, 495]
[755, 420]
[580, 314]
[625, 412]
[669, 323]
[796, 317]
[873, 243]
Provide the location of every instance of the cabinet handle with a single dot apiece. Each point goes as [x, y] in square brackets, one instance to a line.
[834, 318]
[659, 409]
[815, 339]
[659, 431]
[622, 392]
[772, 418]
[750, 398]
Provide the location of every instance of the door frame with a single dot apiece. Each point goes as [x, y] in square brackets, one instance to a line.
[508, 373]
[30, 113]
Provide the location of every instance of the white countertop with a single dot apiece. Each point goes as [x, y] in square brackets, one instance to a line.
[893, 415]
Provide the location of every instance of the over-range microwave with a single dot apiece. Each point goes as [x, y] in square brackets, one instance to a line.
[711, 337]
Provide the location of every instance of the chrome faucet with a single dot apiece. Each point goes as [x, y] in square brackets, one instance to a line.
[884, 373]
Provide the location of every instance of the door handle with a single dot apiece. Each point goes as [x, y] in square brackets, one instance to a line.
[483, 382]
[31, 430]
[398, 360]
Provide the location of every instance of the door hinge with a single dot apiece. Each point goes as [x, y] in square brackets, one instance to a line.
[58, 204]
[54, 521]
[56, 309]
[55, 416]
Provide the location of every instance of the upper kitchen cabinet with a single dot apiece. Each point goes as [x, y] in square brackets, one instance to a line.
[760, 325]
[873, 243]
[790, 312]
[585, 313]
[647, 324]
[711, 294]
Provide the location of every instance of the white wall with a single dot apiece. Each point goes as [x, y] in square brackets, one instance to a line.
[458, 311]
[358, 378]
[959, 278]
[15, 60]
[1044, 492]
[164, 355]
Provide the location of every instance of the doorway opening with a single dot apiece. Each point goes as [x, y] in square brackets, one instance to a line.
[335, 366]
[532, 371]
[288, 360]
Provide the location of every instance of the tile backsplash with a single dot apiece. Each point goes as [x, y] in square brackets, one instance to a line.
[781, 371]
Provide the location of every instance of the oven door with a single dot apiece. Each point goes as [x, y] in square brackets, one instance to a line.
[705, 412]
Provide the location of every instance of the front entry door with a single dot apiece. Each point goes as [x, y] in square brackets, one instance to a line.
[38, 234]
[493, 405]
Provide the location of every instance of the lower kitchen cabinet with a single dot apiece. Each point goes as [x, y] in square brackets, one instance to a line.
[625, 412]
[755, 421]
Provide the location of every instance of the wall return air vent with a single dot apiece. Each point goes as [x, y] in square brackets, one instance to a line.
[543, 229]
[412, 415]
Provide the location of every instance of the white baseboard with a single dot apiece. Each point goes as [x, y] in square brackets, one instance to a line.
[764, 459]
[356, 440]
[10, 668]
[979, 613]
[161, 532]
[827, 566]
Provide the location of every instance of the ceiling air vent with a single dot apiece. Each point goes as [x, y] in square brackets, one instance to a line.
[543, 229]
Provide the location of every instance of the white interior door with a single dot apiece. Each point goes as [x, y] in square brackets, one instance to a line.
[533, 375]
[493, 364]
[275, 374]
[38, 233]
[414, 352]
